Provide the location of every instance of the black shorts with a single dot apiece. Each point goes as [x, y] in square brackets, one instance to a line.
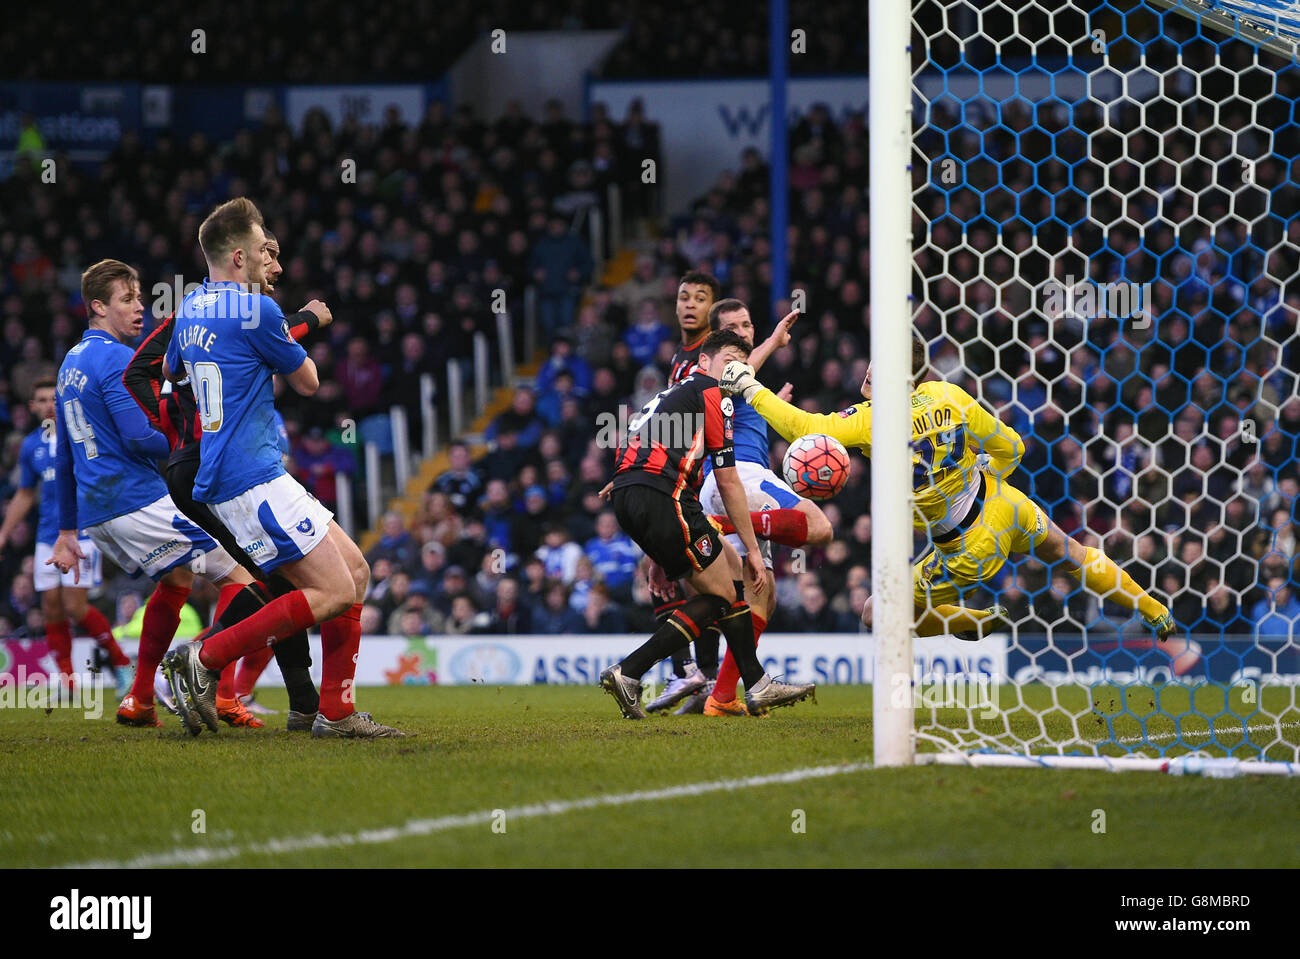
[180, 484]
[673, 533]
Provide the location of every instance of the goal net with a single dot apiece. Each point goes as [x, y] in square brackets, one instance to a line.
[1107, 256]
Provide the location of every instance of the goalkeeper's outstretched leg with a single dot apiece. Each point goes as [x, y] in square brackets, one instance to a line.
[938, 581]
[1099, 574]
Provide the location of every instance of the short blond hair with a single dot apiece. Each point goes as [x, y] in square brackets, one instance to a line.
[225, 226]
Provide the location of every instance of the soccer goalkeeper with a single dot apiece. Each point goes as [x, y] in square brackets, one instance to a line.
[962, 460]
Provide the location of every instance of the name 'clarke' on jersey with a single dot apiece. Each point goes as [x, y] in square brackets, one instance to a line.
[225, 340]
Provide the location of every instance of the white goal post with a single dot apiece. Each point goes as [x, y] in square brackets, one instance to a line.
[890, 91]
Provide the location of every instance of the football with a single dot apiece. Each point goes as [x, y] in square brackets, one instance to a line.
[816, 466]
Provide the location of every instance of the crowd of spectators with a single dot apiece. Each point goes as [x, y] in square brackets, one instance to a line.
[1136, 434]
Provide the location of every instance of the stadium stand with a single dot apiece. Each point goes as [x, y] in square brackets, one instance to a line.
[457, 207]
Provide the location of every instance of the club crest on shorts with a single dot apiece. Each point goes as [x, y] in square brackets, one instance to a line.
[305, 527]
[704, 546]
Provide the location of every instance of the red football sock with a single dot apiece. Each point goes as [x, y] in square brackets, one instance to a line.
[340, 641]
[58, 636]
[788, 527]
[277, 619]
[226, 684]
[724, 689]
[161, 617]
[96, 624]
[250, 669]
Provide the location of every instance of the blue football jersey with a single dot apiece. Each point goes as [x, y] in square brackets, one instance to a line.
[97, 420]
[230, 342]
[36, 459]
[750, 431]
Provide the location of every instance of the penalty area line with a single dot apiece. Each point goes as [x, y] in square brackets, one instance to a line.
[202, 856]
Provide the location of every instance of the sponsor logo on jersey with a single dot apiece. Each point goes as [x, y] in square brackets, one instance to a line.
[162, 550]
[845, 414]
[727, 406]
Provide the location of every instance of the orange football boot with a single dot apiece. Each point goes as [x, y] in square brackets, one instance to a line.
[132, 713]
[234, 713]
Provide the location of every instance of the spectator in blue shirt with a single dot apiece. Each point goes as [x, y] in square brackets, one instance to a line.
[644, 336]
[1276, 615]
[562, 360]
[556, 617]
[498, 515]
[551, 404]
[396, 544]
[613, 556]
[561, 264]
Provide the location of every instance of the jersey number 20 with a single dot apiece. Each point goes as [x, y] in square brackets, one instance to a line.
[205, 379]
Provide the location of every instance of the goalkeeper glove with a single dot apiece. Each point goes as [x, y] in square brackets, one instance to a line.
[738, 379]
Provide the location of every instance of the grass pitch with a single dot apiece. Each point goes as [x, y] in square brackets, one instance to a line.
[473, 788]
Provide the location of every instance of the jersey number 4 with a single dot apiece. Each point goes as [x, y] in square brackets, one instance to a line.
[205, 378]
[78, 428]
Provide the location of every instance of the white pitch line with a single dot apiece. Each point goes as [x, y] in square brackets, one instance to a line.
[1207, 733]
[200, 856]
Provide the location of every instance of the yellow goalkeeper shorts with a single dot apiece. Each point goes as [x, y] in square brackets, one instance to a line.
[1008, 523]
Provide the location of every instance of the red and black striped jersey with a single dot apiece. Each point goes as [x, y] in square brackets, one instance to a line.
[686, 360]
[669, 437]
[174, 413]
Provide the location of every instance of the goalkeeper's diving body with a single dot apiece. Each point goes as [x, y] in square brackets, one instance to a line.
[962, 460]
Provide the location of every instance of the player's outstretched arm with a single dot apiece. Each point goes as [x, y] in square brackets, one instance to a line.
[314, 316]
[852, 427]
[736, 503]
[779, 338]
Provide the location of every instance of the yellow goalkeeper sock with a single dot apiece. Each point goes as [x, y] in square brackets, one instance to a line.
[1103, 578]
[946, 619]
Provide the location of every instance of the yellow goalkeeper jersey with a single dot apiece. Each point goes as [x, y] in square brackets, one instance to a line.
[950, 431]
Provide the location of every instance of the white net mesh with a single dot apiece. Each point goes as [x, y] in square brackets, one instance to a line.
[1107, 244]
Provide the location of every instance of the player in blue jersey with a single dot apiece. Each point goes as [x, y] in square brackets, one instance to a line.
[63, 603]
[779, 514]
[108, 479]
[230, 340]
